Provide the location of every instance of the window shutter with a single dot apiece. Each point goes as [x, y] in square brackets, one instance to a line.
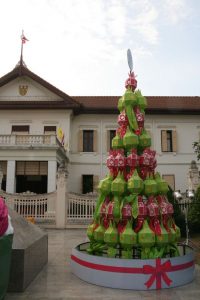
[21, 129]
[174, 141]
[95, 182]
[20, 168]
[32, 168]
[43, 168]
[164, 140]
[80, 141]
[3, 165]
[95, 141]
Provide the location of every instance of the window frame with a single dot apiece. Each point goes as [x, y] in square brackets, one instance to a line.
[88, 142]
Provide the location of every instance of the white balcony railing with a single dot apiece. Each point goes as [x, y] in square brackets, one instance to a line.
[28, 139]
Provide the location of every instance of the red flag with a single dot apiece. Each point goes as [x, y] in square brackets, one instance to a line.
[23, 38]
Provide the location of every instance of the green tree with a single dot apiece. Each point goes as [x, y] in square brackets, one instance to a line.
[196, 147]
[178, 214]
[194, 213]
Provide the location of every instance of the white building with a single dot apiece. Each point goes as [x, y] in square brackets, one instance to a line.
[32, 111]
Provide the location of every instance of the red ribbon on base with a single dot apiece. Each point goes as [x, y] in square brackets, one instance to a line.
[158, 273]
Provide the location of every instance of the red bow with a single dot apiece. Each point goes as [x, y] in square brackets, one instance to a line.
[157, 273]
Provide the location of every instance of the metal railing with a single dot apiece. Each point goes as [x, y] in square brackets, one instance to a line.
[80, 208]
[41, 207]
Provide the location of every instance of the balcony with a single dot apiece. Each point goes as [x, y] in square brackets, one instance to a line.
[26, 140]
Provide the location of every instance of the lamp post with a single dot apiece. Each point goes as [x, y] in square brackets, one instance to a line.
[184, 200]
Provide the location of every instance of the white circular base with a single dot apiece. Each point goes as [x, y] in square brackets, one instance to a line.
[134, 274]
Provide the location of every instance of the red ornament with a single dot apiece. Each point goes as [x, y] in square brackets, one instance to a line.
[142, 214]
[123, 119]
[139, 117]
[110, 210]
[111, 162]
[122, 131]
[131, 81]
[132, 159]
[147, 161]
[153, 212]
[126, 212]
[120, 160]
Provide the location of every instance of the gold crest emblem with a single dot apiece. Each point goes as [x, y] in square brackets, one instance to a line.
[23, 89]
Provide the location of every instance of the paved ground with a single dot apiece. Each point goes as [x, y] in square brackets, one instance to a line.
[56, 281]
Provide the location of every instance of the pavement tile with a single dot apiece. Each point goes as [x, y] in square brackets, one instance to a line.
[56, 281]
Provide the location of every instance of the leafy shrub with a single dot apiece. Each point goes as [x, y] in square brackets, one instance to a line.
[178, 214]
[194, 213]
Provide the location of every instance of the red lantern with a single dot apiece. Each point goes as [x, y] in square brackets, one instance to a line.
[167, 210]
[111, 161]
[120, 160]
[142, 214]
[139, 117]
[145, 158]
[153, 212]
[121, 131]
[132, 159]
[142, 208]
[131, 81]
[127, 212]
[123, 119]
[110, 210]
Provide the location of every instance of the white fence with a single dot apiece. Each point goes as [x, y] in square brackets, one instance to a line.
[40, 207]
[79, 208]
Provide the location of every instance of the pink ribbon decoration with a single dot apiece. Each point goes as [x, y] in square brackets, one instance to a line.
[158, 273]
[3, 217]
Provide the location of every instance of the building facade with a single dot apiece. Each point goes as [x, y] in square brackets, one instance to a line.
[42, 127]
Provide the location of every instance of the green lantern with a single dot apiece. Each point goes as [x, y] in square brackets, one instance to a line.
[150, 186]
[128, 238]
[162, 239]
[121, 104]
[141, 100]
[135, 183]
[117, 142]
[129, 98]
[146, 239]
[99, 234]
[130, 139]
[129, 101]
[162, 186]
[111, 236]
[118, 186]
[105, 185]
[144, 139]
[104, 188]
[90, 230]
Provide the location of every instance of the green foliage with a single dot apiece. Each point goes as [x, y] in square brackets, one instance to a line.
[194, 213]
[196, 147]
[178, 214]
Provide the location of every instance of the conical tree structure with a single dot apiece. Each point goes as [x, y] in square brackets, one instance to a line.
[133, 217]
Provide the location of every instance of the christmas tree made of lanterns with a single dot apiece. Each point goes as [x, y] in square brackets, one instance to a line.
[133, 217]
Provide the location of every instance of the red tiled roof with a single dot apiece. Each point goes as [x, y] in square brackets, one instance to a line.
[155, 103]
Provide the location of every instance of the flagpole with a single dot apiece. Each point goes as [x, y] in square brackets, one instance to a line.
[21, 58]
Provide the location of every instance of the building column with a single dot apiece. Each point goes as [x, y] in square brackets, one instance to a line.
[10, 178]
[52, 169]
[61, 197]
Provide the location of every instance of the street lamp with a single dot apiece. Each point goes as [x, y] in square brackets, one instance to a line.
[184, 200]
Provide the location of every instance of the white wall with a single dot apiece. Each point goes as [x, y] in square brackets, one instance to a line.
[187, 128]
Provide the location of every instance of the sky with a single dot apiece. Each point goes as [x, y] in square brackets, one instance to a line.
[80, 46]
